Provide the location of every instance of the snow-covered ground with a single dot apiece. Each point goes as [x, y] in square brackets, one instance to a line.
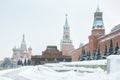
[13, 74]
[49, 73]
[59, 71]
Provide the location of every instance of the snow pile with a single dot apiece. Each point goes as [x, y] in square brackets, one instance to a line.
[2, 72]
[113, 67]
[62, 67]
[92, 62]
[113, 63]
[113, 57]
[44, 72]
[114, 76]
[9, 73]
[59, 71]
[4, 78]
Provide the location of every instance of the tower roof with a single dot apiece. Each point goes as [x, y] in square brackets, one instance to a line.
[66, 32]
[66, 21]
[98, 20]
[98, 9]
[23, 44]
[23, 40]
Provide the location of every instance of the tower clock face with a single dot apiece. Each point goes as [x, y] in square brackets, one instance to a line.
[66, 36]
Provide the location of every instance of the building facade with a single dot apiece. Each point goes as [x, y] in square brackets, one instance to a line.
[66, 43]
[98, 37]
[50, 55]
[22, 53]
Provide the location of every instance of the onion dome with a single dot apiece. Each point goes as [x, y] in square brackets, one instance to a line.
[30, 48]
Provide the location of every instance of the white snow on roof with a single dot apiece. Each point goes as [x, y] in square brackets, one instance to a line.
[110, 37]
[115, 28]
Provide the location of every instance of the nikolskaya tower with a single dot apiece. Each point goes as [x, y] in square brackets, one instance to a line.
[66, 42]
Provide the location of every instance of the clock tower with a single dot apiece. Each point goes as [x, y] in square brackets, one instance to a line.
[66, 42]
[97, 30]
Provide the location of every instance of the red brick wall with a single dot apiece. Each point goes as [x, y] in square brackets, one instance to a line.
[76, 53]
[105, 40]
[66, 48]
[94, 41]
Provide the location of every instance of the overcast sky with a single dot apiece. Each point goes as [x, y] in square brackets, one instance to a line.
[42, 22]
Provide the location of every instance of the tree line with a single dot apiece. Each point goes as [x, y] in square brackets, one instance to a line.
[24, 63]
[97, 55]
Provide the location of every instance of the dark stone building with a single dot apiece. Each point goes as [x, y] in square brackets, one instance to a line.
[50, 55]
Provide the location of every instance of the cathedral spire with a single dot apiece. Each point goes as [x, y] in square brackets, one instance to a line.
[23, 38]
[23, 44]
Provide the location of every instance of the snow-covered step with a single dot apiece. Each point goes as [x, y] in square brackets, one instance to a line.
[88, 64]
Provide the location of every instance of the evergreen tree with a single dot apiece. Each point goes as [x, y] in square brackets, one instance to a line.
[94, 55]
[64, 60]
[18, 62]
[21, 63]
[46, 60]
[79, 58]
[55, 60]
[82, 55]
[105, 53]
[88, 55]
[91, 56]
[118, 53]
[85, 55]
[25, 62]
[111, 47]
[29, 62]
[98, 54]
[116, 48]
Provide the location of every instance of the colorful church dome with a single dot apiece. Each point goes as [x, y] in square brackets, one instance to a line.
[16, 49]
[30, 48]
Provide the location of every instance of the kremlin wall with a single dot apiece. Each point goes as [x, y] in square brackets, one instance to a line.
[98, 37]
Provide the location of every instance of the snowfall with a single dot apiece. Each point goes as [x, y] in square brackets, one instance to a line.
[60, 71]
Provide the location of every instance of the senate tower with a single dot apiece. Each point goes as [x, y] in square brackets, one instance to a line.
[98, 38]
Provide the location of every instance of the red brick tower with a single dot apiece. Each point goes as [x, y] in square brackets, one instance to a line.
[66, 43]
[97, 30]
